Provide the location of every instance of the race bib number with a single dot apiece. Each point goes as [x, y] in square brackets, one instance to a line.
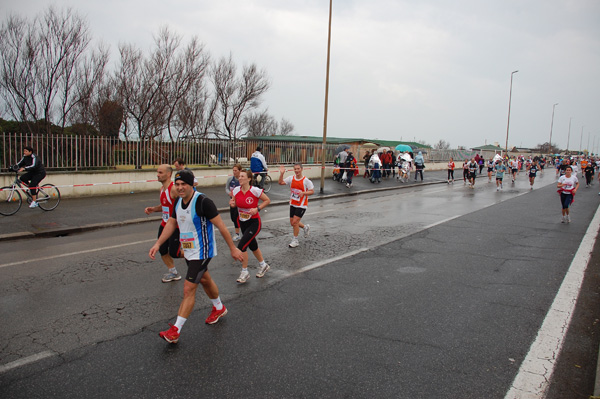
[187, 240]
[165, 213]
[296, 195]
[244, 216]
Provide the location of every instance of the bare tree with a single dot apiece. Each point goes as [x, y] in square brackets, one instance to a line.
[141, 84]
[259, 124]
[18, 84]
[44, 72]
[82, 103]
[286, 128]
[236, 96]
[441, 145]
[196, 114]
[63, 38]
[186, 75]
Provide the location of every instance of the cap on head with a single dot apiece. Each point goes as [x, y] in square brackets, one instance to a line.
[185, 176]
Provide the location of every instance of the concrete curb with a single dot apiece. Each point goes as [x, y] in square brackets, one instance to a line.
[96, 226]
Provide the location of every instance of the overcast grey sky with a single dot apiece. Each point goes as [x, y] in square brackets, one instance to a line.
[424, 70]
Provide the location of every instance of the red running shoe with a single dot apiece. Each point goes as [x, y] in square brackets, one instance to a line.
[215, 315]
[171, 335]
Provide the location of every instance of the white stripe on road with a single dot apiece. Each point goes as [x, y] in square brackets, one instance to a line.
[360, 250]
[25, 360]
[534, 376]
[76, 253]
[116, 246]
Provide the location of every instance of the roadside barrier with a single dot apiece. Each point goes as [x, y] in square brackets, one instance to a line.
[198, 177]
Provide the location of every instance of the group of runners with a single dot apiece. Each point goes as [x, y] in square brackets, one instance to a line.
[187, 229]
[189, 219]
[496, 168]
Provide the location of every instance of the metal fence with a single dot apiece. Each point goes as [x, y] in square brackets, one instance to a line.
[63, 152]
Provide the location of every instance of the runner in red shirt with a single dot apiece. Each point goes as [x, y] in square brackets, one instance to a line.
[171, 248]
[246, 199]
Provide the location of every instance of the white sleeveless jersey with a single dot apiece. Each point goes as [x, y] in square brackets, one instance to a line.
[196, 233]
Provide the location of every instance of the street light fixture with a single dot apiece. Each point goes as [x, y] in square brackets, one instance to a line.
[551, 125]
[509, 101]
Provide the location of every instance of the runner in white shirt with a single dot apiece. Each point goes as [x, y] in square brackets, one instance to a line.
[567, 187]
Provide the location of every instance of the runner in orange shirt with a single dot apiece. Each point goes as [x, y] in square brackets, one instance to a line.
[301, 187]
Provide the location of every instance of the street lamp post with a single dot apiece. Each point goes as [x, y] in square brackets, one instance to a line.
[326, 103]
[551, 126]
[569, 135]
[509, 101]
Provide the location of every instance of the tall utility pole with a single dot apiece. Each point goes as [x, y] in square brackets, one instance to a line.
[509, 101]
[326, 103]
[569, 136]
[588, 144]
[551, 126]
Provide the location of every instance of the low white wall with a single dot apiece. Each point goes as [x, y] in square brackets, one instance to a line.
[127, 181]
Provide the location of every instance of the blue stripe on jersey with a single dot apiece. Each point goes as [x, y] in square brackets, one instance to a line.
[206, 233]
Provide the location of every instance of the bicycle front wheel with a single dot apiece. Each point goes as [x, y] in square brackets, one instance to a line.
[10, 201]
[267, 185]
[48, 197]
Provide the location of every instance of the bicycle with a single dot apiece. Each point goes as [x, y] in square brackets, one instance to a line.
[266, 184]
[11, 199]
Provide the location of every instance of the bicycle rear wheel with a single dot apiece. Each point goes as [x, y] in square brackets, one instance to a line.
[267, 185]
[10, 201]
[48, 197]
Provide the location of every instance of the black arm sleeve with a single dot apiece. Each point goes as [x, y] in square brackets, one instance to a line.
[206, 207]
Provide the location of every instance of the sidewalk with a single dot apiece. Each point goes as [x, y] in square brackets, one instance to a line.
[75, 215]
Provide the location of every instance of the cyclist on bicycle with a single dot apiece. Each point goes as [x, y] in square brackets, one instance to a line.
[258, 165]
[34, 172]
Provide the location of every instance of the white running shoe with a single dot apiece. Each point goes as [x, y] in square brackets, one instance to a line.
[294, 243]
[563, 219]
[236, 237]
[306, 230]
[262, 270]
[244, 276]
[34, 204]
[568, 218]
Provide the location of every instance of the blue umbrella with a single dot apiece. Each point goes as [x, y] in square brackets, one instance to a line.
[403, 148]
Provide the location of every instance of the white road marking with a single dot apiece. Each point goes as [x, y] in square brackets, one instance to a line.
[76, 253]
[360, 250]
[25, 360]
[21, 262]
[534, 375]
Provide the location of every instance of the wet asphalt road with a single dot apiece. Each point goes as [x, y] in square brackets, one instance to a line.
[441, 295]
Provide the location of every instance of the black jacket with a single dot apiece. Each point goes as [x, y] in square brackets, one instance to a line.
[32, 164]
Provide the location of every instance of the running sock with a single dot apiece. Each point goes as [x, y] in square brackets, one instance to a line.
[179, 323]
[217, 303]
[173, 270]
[262, 263]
